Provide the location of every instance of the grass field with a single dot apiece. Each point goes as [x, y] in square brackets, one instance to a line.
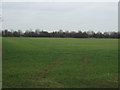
[60, 63]
[0, 62]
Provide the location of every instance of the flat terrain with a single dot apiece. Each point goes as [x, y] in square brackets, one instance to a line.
[60, 63]
[0, 62]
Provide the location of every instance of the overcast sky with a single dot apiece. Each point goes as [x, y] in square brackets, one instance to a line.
[52, 16]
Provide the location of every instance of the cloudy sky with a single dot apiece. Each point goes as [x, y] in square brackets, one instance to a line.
[52, 16]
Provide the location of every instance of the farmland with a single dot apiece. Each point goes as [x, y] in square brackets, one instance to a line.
[60, 63]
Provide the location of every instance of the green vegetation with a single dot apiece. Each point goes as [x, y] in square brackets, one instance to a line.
[0, 62]
[60, 63]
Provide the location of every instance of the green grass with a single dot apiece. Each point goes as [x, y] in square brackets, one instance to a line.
[0, 62]
[60, 63]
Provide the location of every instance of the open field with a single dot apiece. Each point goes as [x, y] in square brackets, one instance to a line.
[60, 63]
[0, 62]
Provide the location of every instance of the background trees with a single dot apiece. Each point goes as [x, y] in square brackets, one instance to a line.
[60, 33]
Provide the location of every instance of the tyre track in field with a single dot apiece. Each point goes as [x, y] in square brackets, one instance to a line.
[44, 72]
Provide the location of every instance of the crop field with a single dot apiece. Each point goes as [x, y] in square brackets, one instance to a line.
[59, 63]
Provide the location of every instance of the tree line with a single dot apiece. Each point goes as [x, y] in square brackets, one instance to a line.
[60, 33]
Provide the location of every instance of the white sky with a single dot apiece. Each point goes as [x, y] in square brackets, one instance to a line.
[52, 16]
